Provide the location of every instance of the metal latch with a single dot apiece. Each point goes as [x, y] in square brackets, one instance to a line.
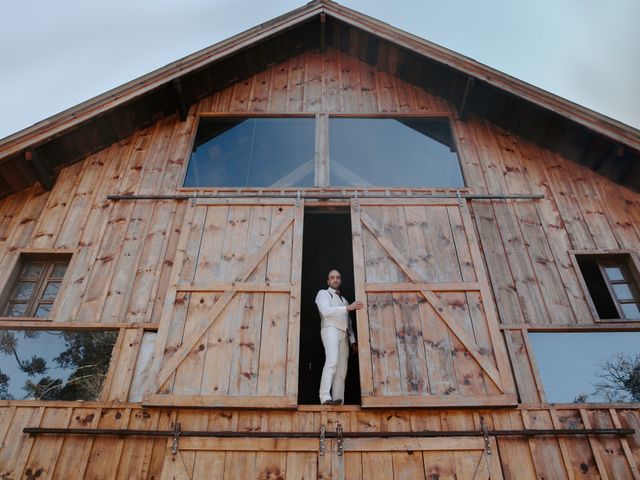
[340, 441]
[487, 444]
[323, 430]
[176, 437]
[485, 435]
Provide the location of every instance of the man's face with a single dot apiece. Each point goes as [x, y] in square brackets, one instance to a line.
[334, 280]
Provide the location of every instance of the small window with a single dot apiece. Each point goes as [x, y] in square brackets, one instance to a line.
[35, 286]
[612, 284]
[588, 367]
[393, 152]
[54, 365]
[253, 152]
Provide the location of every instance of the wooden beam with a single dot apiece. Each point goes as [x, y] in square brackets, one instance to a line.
[466, 96]
[222, 401]
[183, 109]
[237, 286]
[439, 401]
[323, 32]
[418, 286]
[249, 444]
[40, 170]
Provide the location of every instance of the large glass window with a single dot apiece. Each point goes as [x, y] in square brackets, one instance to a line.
[393, 152]
[253, 152]
[588, 367]
[54, 365]
[284, 152]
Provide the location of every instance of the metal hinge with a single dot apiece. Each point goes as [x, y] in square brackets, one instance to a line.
[176, 437]
[356, 204]
[340, 441]
[323, 430]
[298, 196]
[487, 444]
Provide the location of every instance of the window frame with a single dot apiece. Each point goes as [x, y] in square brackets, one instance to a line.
[321, 158]
[50, 257]
[604, 257]
[517, 354]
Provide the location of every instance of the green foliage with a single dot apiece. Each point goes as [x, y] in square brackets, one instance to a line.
[4, 387]
[86, 356]
[620, 378]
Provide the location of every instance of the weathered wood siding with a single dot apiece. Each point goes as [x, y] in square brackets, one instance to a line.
[130, 257]
[139, 457]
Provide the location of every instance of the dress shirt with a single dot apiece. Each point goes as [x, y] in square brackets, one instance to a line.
[333, 312]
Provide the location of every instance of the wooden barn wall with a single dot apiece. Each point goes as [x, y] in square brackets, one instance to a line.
[124, 253]
[75, 456]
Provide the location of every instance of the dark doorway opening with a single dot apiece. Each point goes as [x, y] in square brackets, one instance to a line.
[326, 245]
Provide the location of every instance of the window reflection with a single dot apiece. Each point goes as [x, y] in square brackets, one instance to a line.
[54, 365]
[253, 152]
[588, 367]
[406, 152]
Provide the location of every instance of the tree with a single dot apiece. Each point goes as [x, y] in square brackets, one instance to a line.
[620, 378]
[85, 362]
[4, 387]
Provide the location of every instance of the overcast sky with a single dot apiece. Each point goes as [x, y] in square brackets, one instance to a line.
[54, 55]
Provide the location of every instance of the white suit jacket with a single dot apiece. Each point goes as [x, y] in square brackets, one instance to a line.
[333, 312]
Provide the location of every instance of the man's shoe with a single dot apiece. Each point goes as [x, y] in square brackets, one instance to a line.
[332, 402]
[337, 402]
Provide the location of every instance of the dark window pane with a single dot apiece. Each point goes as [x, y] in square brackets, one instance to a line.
[392, 152]
[51, 290]
[631, 311]
[253, 152]
[16, 309]
[614, 273]
[589, 367]
[598, 289]
[32, 270]
[54, 365]
[59, 269]
[23, 290]
[43, 310]
[623, 291]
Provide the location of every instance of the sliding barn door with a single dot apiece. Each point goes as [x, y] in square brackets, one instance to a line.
[419, 459]
[429, 335]
[246, 458]
[230, 326]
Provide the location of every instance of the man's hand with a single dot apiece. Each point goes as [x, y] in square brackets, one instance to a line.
[355, 306]
[353, 349]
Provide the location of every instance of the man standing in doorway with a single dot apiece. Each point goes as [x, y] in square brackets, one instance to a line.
[337, 337]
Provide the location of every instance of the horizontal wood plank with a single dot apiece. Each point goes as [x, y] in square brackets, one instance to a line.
[418, 286]
[234, 286]
[199, 401]
[397, 401]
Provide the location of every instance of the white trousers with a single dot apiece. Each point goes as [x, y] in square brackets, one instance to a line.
[334, 373]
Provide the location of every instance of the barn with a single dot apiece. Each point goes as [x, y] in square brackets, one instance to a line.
[161, 247]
